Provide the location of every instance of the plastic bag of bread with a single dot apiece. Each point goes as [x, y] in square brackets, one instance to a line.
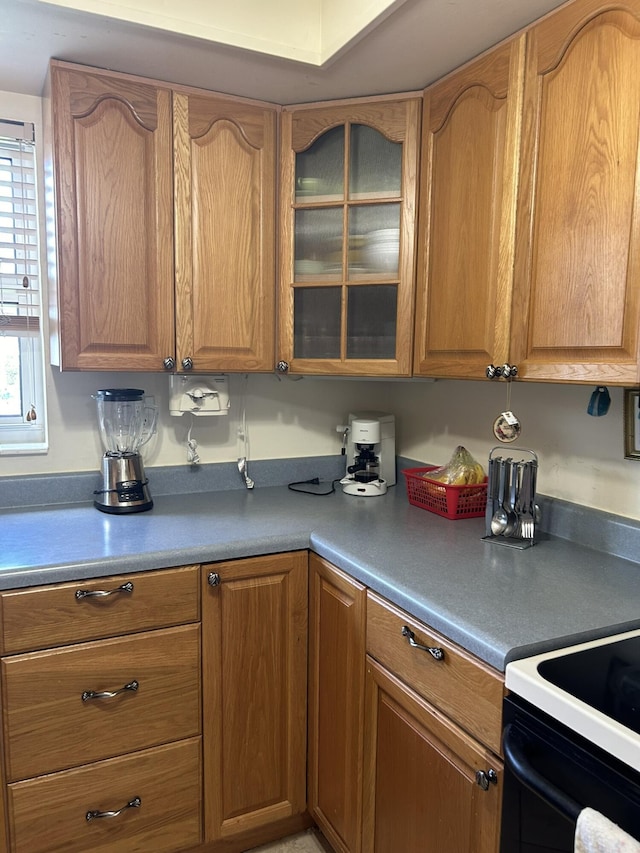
[462, 469]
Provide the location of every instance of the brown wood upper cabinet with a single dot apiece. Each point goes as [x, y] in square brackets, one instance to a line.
[576, 308]
[554, 290]
[347, 218]
[165, 205]
[471, 127]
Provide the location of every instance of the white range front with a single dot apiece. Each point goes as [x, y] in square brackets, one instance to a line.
[523, 678]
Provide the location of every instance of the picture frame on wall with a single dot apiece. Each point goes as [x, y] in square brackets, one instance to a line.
[631, 423]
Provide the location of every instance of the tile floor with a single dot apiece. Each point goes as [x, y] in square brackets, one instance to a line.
[303, 842]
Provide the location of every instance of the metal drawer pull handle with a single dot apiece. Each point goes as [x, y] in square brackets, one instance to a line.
[103, 593]
[131, 687]
[135, 803]
[435, 651]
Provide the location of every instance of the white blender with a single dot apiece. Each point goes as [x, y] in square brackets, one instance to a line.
[126, 424]
[370, 440]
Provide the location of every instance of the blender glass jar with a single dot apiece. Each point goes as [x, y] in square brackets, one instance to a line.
[125, 423]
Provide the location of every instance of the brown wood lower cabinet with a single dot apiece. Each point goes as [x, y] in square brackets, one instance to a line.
[181, 727]
[397, 735]
[280, 691]
[254, 629]
[337, 613]
[101, 741]
[420, 787]
[432, 779]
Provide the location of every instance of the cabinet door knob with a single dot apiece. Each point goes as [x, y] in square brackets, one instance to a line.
[484, 778]
[435, 651]
[135, 803]
[213, 579]
[169, 362]
[187, 363]
[282, 367]
[506, 370]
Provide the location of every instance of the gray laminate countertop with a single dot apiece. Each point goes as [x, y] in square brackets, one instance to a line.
[497, 602]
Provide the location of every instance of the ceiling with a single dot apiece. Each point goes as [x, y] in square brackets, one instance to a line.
[414, 45]
[311, 31]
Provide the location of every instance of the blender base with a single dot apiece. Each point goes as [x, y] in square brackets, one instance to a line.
[124, 509]
[124, 485]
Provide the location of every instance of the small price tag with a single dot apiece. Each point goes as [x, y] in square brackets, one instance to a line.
[510, 418]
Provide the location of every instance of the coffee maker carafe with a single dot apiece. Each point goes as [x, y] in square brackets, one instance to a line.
[371, 454]
[125, 424]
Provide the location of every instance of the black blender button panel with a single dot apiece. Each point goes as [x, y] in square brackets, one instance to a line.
[130, 490]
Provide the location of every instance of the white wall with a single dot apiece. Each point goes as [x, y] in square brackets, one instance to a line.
[581, 457]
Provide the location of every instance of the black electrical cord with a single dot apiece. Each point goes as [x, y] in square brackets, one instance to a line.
[314, 481]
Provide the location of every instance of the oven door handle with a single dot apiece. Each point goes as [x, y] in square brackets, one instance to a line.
[527, 775]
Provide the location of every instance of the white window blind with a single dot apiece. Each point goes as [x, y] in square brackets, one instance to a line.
[22, 399]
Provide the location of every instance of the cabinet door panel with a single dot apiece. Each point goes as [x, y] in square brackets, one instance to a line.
[225, 274]
[348, 196]
[468, 191]
[336, 703]
[420, 788]
[113, 185]
[577, 308]
[255, 658]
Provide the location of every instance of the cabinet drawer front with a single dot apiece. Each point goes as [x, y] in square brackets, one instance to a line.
[54, 615]
[48, 726]
[49, 813]
[467, 690]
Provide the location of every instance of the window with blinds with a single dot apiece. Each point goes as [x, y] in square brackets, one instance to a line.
[22, 396]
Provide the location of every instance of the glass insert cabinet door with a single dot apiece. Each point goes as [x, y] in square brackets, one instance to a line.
[348, 190]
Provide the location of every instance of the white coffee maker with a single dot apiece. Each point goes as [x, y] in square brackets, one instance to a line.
[370, 444]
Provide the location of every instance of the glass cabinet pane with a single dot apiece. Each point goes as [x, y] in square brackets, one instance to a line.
[318, 242]
[375, 164]
[374, 240]
[320, 169]
[371, 321]
[317, 312]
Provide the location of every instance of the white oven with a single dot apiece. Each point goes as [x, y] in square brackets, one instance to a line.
[571, 739]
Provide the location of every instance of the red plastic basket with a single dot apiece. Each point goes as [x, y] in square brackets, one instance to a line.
[448, 501]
